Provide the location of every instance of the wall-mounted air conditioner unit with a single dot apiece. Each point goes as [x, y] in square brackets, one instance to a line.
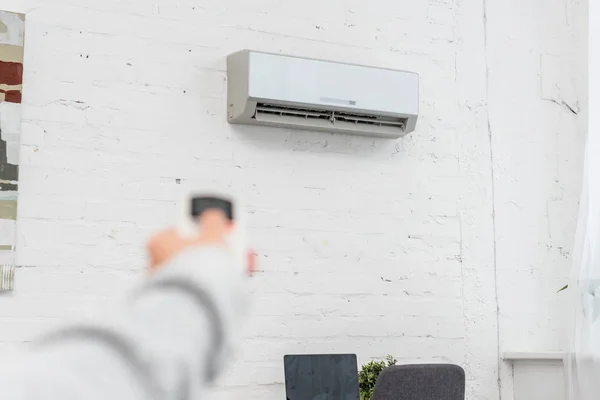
[292, 92]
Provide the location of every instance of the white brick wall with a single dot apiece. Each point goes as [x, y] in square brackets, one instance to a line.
[366, 246]
[537, 72]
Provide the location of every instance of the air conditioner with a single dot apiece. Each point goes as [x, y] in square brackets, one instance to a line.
[293, 92]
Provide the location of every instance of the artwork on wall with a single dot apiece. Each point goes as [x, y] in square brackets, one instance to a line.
[12, 34]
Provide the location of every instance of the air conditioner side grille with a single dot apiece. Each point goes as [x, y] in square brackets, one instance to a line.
[305, 117]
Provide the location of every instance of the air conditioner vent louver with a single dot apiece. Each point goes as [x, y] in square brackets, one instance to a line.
[292, 112]
[312, 117]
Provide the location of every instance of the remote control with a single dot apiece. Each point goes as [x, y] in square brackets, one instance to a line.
[192, 207]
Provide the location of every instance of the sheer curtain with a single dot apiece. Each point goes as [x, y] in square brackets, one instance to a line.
[584, 356]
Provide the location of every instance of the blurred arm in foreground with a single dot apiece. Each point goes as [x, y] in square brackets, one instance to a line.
[168, 342]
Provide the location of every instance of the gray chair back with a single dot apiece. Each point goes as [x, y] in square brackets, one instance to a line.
[421, 382]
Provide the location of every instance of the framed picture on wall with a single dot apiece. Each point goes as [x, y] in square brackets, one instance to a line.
[12, 35]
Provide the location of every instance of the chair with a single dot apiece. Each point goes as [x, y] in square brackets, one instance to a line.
[421, 382]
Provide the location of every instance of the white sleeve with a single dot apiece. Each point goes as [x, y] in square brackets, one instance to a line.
[167, 343]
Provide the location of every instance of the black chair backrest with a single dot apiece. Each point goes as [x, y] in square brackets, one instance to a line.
[421, 382]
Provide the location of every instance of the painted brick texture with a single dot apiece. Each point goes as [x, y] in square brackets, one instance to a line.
[366, 246]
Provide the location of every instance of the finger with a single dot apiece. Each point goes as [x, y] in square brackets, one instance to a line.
[152, 257]
[212, 215]
[166, 234]
[214, 224]
[158, 242]
[152, 245]
[251, 262]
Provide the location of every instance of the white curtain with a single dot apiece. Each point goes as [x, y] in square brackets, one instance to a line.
[584, 356]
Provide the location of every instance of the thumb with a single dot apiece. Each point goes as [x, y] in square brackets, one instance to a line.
[213, 225]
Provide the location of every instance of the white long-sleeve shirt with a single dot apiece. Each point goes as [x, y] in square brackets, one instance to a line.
[167, 343]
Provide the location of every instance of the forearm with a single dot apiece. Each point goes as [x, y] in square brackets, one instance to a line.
[169, 340]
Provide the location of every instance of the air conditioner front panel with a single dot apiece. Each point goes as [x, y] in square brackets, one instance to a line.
[285, 91]
[292, 80]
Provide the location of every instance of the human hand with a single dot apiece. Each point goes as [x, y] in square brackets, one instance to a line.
[167, 244]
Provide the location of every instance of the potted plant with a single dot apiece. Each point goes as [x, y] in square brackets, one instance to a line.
[367, 377]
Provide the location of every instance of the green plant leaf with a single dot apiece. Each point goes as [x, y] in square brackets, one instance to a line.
[390, 360]
[562, 288]
[368, 374]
